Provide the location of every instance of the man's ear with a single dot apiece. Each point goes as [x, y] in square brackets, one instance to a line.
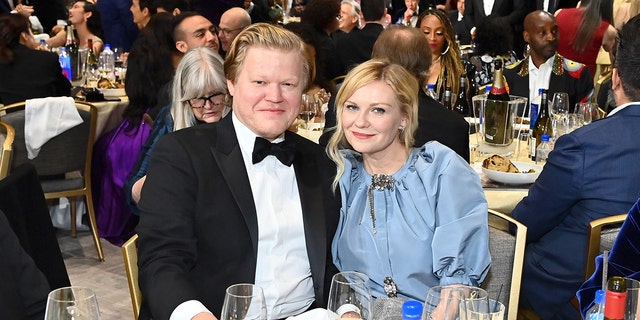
[182, 46]
[525, 35]
[615, 79]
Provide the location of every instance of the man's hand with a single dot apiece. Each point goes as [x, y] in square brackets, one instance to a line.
[24, 10]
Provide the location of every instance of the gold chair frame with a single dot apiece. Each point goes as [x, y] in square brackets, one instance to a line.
[130, 256]
[7, 148]
[86, 171]
[501, 221]
[594, 237]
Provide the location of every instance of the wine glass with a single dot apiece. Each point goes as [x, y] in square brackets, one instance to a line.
[307, 109]
[350, 293]
[72, 303]
[559, 111]
[244, 301]
[448, 302]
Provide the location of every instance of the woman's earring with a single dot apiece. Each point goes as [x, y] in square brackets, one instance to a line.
[401, 129]
[447, 50]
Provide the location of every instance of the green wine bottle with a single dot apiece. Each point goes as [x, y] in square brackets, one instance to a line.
[615, 298]
[542, 124]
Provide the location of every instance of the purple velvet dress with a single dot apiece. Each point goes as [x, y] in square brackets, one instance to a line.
[114, 156]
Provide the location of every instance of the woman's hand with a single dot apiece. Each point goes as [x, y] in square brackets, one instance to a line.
[24, 10]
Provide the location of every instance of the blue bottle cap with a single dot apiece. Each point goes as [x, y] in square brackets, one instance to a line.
[431, 86]
[599, 296]
[412, 309]
[545, 137]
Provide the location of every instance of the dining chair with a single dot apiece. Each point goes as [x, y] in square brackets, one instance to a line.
[64, 162]
[602, 234]
[507, 258]
[130, 255]
[7, 133]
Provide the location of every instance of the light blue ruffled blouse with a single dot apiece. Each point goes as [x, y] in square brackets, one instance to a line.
[431, 228]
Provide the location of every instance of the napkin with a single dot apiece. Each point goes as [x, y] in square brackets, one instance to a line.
[45, 118]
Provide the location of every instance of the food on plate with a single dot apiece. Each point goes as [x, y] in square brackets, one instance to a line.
[522, 120]
[499, 163]
[104, 83]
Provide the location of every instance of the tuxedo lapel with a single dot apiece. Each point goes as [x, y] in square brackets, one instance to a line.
[313, 207]
[228, 156]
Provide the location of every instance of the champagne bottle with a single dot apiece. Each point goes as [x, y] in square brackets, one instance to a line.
[91, 58]
[615, 299]
[462, 103]
[72, 51]
[498, 124]
[446, 101]
[542, 125]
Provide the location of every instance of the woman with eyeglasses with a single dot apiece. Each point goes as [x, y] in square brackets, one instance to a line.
[198, 96]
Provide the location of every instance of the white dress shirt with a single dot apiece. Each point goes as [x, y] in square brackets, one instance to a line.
[488, 6]
[539, 77]
[287, 283]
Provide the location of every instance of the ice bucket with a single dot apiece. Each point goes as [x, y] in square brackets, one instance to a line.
[496, 123]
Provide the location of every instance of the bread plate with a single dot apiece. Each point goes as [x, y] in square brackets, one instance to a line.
[515, 178]
[119, 92]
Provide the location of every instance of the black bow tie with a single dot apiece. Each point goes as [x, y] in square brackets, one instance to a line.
[284, 151]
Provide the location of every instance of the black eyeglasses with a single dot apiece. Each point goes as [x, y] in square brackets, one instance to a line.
[226, 32]
[198, 103]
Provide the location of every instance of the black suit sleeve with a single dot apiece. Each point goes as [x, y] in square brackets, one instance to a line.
[24, 289]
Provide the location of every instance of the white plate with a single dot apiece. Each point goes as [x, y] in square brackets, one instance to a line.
[113, 92]
[515, 178]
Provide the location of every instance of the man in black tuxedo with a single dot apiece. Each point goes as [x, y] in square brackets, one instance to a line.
[458, 22]
[241, 200]
[551, 6]
[356, 46]
[513, 10]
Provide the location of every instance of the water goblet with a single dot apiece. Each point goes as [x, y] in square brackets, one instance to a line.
[244, 301]
[72, 303]
[484, 309]
[350, 294]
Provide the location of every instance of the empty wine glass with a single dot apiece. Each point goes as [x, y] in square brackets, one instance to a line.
[350, 293]
[244, 301]
[559, 111]
[72, 303]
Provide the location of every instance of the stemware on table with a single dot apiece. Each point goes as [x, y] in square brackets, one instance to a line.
[559, 111]
[448, 302]
[244, 301]
[350, 293]
[72, 303]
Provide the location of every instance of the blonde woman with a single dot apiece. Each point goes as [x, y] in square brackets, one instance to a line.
[411, 217]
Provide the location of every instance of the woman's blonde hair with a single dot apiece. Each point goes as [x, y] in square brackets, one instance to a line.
[404, 85]
[199, 70]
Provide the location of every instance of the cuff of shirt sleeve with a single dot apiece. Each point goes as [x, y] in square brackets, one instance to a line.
[188, 310]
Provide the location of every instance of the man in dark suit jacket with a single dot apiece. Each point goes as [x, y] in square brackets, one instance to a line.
[592, 173]
[31, 73]
[458, 22]
[219, 208]
[49, 12]
[356, 46]
[513, 10]
[565, 75]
